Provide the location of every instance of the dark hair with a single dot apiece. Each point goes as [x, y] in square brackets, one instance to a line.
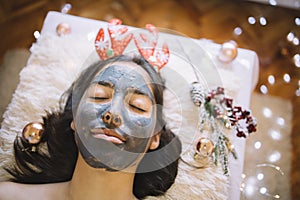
[58, 162]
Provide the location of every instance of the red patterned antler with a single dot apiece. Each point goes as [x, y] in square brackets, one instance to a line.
[117, 41]
[146, 45]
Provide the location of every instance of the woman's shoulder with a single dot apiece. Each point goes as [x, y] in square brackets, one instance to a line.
[12, 191]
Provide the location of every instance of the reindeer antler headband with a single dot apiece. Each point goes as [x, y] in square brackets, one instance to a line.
[117, 38]
[115, 43]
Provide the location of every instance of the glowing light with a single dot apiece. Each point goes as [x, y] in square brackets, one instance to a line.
[280, 121]
[297, 21]
[242, 186]
[277, 196]
[271, 79]
[287, 78]
[36, 34]
[263, 89]
[297, 92]
[251, 20]
[263, 190]
[249, 190]
[273, 2]
[296, 41]
[238, 31]
[257, 145]
[296, 59]
[275, 135]
[243, 176]
[263, 21]
[260, 176]
[66, 8]
[275, 156]
[267, 112]
[290, 36]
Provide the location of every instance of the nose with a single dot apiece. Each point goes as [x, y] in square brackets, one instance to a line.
[112, 120]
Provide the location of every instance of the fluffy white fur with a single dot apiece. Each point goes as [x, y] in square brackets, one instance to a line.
[54, 64]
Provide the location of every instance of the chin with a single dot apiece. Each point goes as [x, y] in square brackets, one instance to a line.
[129, 168]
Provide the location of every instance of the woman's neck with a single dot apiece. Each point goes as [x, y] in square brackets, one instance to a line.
[90, 183]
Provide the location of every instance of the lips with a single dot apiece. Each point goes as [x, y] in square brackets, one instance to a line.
[108, 135]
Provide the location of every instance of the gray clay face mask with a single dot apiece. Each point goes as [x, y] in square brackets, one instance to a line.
[115, 118]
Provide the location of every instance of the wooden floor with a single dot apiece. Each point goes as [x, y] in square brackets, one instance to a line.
[213, 19]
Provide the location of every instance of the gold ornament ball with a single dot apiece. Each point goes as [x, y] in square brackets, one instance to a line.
[33, 132]
[63, 29]
[228, 51]
[204, 147]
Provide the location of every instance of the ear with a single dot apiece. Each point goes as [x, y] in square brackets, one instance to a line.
[154, 143]
[72, 125]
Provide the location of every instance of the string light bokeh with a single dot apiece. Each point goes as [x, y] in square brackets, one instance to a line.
[267, 163]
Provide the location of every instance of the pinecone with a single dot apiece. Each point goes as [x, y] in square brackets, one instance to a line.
[197, 93]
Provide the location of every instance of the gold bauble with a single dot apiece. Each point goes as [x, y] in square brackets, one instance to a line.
[204, 147]
[63, 29]
[33, 132]
[228, 51]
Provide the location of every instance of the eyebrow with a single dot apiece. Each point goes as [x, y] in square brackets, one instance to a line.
[106, 84]
[137, 91]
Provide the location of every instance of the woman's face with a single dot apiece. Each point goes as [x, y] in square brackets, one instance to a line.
[116, 117]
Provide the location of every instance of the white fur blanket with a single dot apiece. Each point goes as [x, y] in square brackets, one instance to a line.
[54, 64]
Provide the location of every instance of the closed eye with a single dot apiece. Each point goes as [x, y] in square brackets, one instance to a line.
[99, 98]
[139, 103]
[137, 108]
[98, 93]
